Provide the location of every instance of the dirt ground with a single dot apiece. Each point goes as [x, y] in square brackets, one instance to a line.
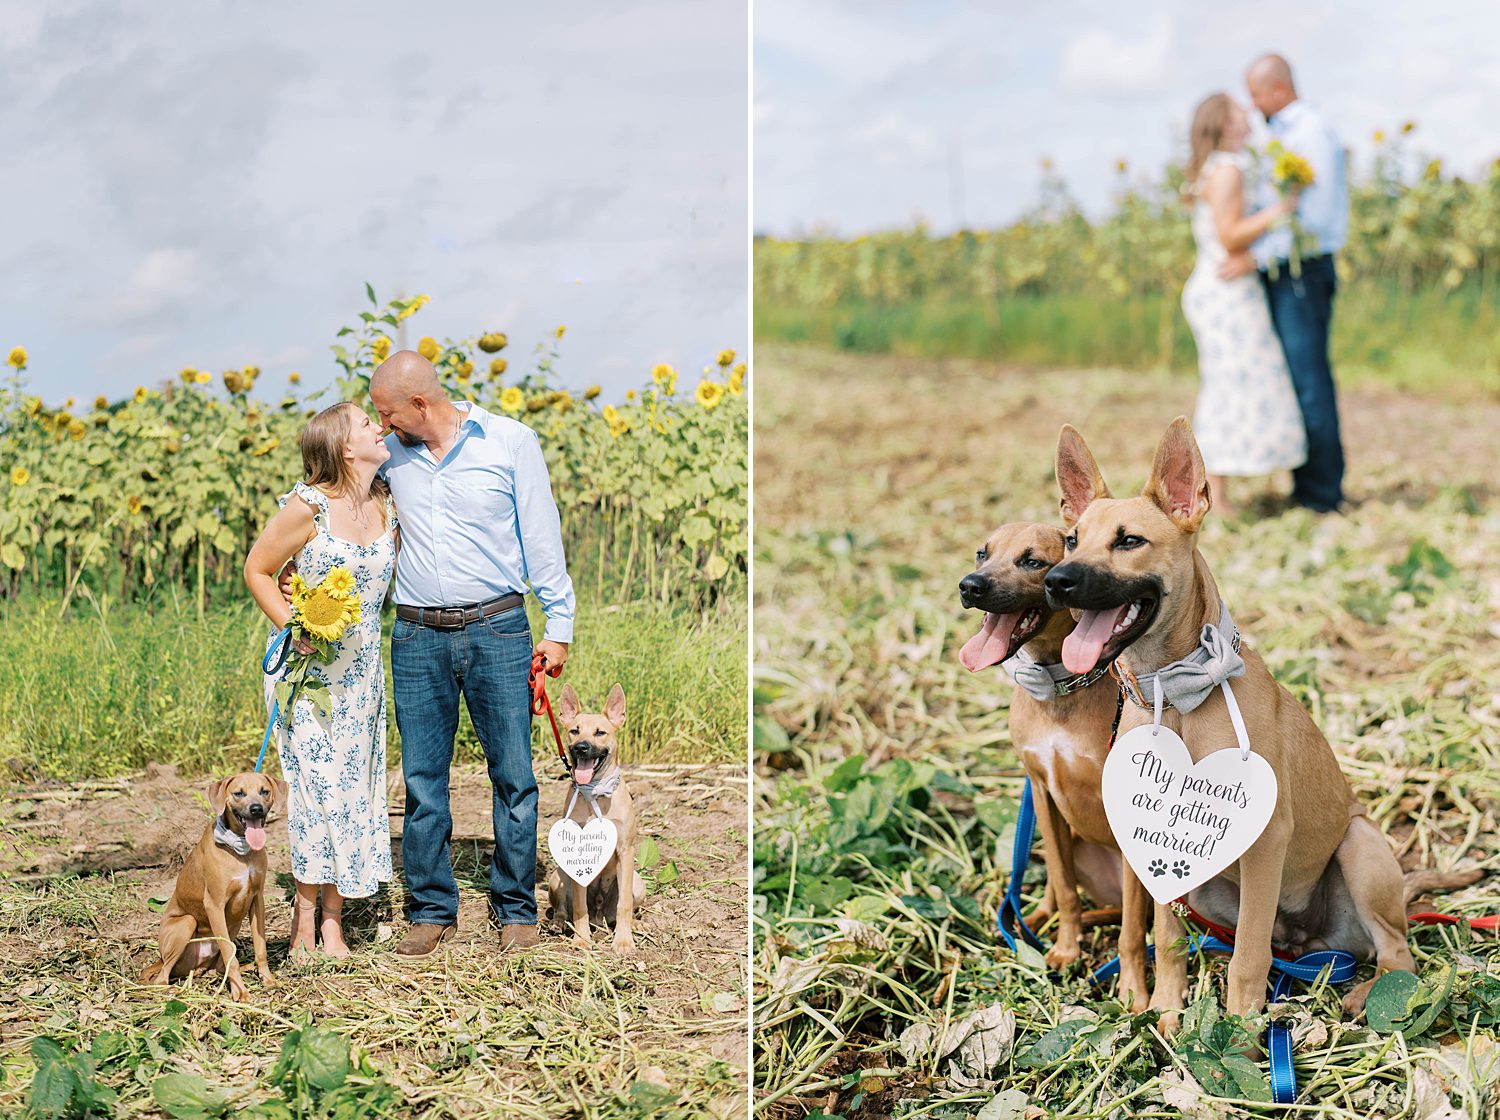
[128, 837]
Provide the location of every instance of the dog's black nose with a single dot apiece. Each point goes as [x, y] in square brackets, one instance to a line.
[1064, 579]
[971, 587]
[255, 809]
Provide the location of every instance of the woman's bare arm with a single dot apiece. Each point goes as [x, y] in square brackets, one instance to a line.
[1226, 199]
[282, 538]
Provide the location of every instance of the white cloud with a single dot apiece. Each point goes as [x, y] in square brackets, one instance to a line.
[162, 280]
[1101, 63]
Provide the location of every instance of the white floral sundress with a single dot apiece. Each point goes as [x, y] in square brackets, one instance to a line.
[336, 812]
[1247, 421]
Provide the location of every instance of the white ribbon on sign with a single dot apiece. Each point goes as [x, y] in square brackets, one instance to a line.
[1179, 823]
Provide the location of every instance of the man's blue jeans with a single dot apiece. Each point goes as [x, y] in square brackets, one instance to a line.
[1302, 308]
[486, 662]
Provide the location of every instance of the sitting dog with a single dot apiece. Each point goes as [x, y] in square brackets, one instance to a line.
[614, 896]
[1059, 725]
[1321, 875]
[222, 880]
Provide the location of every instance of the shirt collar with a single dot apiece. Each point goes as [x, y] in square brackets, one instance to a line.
[474, 415]
[1288, 115]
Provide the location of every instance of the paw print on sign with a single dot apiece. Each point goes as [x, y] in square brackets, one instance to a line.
[1180, 869]
[1158, 867]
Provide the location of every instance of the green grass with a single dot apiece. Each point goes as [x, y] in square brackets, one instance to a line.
[887, 785]
[1381, 335]
[103, 691]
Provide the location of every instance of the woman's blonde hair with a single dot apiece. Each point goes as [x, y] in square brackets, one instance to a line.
[322, 443]
[1210, 119]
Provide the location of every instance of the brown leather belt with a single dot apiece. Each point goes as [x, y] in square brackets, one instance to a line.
[456, 618]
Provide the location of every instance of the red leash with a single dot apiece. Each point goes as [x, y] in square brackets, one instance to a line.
[536, 679]
[1224, 933]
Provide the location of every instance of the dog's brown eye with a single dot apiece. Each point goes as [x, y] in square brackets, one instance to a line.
[239, 793]
[1128, 542]
[1070, 542]
[981, 556]
[599, 731]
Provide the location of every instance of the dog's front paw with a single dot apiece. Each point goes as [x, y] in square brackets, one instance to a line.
[623, 945]
[582, 942]
[1060, 956]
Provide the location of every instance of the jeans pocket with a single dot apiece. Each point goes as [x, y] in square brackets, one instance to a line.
[403, 631]
[509, 624]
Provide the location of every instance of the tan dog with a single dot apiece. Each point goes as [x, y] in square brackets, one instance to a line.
[217, 887]
[1062, 741]
[1321, 875]
[596, 763]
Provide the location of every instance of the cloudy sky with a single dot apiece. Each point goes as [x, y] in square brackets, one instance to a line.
[871, 113]
[195, 182]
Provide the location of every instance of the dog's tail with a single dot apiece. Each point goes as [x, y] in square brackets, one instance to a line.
[1418, 883]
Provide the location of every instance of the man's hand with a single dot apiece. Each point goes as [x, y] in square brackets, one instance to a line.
[285, 582]
[1236, 265]
[554, 654]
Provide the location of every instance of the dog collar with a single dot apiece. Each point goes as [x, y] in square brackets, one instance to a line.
[1185, 684]
[231, 839]
[592, 791]
[1047, 681]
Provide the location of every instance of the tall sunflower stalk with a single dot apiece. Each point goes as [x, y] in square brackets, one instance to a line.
[320, 616]
[1290, 173]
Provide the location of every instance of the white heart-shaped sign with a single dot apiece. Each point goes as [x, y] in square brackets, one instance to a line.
[1180, 823]
[581, 851]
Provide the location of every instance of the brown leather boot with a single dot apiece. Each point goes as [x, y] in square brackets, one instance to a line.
[518, 937]
[423, 940]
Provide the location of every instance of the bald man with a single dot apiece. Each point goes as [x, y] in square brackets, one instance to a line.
[1302, 305]
[478, 524]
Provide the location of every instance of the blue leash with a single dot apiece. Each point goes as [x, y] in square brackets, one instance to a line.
[279, 650]
[1307, 968]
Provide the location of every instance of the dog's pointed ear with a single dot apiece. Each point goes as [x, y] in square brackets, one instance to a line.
[614, 707]
[568, 706]
[218, 794]
[1078, 476]
[1179, 483]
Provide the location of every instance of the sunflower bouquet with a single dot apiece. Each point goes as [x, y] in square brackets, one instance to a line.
[1289, 173]
[320, 616]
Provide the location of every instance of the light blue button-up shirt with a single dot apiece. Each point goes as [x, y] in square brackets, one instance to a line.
[1323, 208]
[480, 524]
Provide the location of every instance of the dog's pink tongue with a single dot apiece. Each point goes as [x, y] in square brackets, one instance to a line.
[1082, 648]
[583, 773]
[255, 836]
[991, 645]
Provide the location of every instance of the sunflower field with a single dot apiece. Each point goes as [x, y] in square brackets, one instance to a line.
[1420, 279]
[162, 493]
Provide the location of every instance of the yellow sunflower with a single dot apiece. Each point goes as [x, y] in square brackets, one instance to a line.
[665, 377]
[709, 394]
[326, 614]
[737, 380]
[498, 367]
[299, 589]
[77, 428]
[429, 348]
[140, 393]
[17, 357]
[561, 330]
[591, 392]
[134, 504]
[492, 342]
[294, 377]
[340, 581]
[101, 402]
[203, 377]
[188, 375]
[381, 348]
[726, 358]
[512, 400]
[19, 476]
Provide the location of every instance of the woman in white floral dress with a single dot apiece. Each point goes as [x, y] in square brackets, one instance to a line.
[341, 516]
[1247, 421]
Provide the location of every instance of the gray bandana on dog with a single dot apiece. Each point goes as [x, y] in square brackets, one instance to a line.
[231, 839]
[604, 787]
[1187, 683]
[1045, 682]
